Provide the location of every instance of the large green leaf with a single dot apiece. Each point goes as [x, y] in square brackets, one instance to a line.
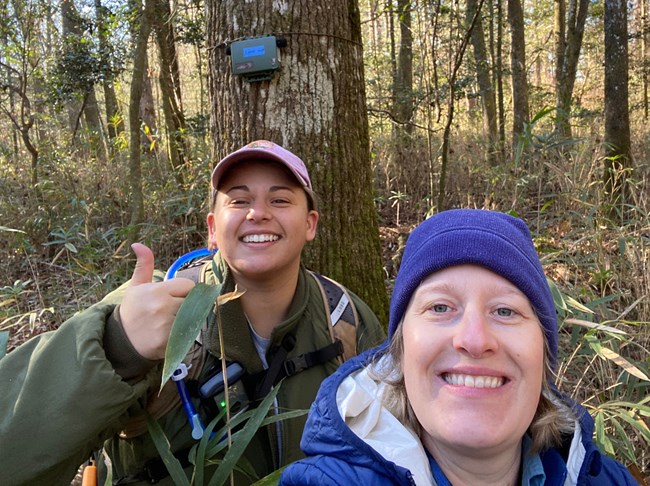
[272, 479]
[190, 317]
[172, 464]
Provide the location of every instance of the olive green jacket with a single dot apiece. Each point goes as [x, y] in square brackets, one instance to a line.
[63, 398]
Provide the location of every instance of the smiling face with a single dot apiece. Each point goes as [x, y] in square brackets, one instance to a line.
[473, 362]
[260, 221]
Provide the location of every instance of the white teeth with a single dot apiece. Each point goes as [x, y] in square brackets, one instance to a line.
[259, 238]
[473, 381]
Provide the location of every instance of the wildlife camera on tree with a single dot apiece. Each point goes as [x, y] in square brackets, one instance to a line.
[255, 58]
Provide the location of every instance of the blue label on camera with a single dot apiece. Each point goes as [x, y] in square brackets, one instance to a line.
[254, 51]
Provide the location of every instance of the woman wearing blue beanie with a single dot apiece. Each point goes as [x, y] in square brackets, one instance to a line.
[462, 391]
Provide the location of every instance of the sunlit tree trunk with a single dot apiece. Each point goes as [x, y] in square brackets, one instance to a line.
[520, 114]
[644, 54]
[569, 36]
[499, 76]
[403, 99]
[170, 87]
[315, 106]
[618, 156]
[114, 118]
[488, 100]
[137, 86]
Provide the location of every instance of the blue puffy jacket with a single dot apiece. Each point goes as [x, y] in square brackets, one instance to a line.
[381, 450]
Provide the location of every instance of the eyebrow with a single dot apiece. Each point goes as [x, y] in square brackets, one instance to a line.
[244, 187]
[445, 287]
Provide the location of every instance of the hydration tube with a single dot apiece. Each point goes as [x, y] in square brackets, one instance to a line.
[181, 371]
[192, 416]
[185, 259]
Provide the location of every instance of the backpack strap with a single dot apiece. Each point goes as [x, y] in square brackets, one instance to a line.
[343, 321]
[343, 316]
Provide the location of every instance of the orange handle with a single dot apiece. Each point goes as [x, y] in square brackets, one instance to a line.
[89, 477]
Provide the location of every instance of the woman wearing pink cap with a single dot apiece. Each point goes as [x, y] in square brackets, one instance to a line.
[87, 385]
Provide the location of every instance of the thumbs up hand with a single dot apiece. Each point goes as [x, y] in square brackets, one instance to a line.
[149, 308]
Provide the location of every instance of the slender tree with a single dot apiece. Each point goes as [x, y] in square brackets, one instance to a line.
[488, 100]
[137, 86]
[569, 32]
[520, 114]
[84, 87]
[402, 109]
[618, 155]
[170, 87]
[113, 112]
[314, 105]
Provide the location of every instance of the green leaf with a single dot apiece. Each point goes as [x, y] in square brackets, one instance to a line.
[601, 436]
[172, 464]
[4, 340]
[272, 479]
[198, 452]
[252, 425]
[190, 317]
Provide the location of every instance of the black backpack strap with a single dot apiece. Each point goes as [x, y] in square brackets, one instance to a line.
[276, 366]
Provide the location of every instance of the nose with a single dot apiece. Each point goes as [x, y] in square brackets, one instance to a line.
[258, 211]
[475, 335]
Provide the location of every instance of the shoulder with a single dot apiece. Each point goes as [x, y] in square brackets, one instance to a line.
[596, 468]
[328, 471]
[603, 470]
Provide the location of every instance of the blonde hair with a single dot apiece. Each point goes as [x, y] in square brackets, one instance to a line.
[553, 418]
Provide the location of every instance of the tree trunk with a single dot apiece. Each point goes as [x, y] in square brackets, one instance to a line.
[618, 157]
[446, 137]
[70, 27]
[403, 100]
[499, 78]
[149, 129]
[137, 86]
[114, 119]
[644, 55]
[170, 88]
[518, 65]
[94, 123]
[488, 100]
[566, 71]
[314, 106]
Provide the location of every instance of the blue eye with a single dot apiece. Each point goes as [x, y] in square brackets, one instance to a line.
[504, 312]
[440, 308]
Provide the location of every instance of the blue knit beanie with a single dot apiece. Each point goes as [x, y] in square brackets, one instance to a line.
[497, 241]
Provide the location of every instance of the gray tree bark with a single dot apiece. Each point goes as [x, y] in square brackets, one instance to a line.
[618, 156]
[137, 87]
[569, 32]
[488, 100]
[170, 87]
[518, 65]
[314, 106]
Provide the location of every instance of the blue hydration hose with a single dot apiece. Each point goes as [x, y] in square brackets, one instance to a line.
[181, 372]
[185, 259]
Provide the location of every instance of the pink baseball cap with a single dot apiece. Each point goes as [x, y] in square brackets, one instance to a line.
[264, 150]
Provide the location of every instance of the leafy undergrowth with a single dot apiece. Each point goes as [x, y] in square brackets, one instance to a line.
[63, 248]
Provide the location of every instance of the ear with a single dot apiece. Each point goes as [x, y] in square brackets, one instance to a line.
[212, 234]
[312, 224]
